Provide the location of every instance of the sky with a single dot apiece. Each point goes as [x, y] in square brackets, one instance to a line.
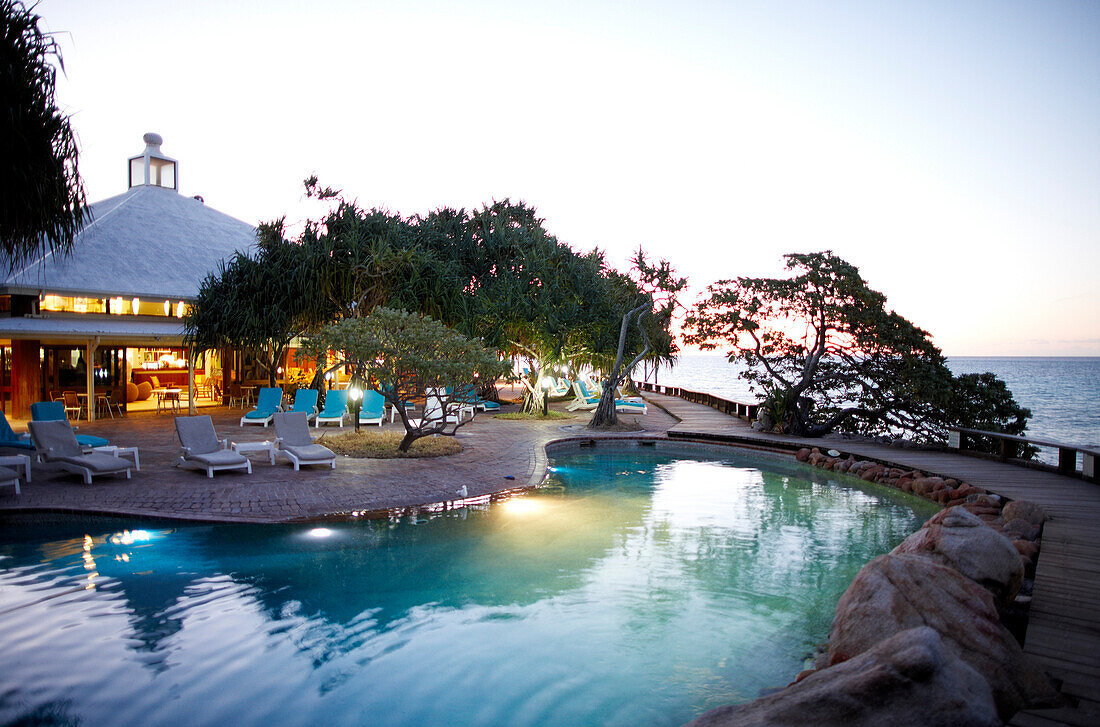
[950, 150]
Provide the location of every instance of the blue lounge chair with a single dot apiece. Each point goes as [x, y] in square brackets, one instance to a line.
[305, 400]
[373, 409]
[336, 408]
[271, 398]
[585, 399]
[471, 397]
[52, 411]
[8, 437]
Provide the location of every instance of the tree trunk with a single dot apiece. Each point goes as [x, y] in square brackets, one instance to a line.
[606, 415]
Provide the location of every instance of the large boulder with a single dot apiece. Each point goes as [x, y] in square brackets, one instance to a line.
[956, 537]
[908, 680]
[1024, 510]
[897, 592]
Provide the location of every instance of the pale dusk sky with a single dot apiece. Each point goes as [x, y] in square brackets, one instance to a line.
[951, 150]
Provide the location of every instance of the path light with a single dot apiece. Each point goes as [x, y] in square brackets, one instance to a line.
[356, 396]
[545, 396]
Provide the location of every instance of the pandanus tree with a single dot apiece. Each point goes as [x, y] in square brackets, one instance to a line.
[42, 203]
[827, 354]
[254, 303]
[651, 300]
[529, 294]
[409, 354]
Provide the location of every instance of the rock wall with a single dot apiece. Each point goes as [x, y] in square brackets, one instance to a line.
[918, 639]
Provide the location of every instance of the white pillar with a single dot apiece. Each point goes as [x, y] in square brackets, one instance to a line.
[89, 377]
[191, 410]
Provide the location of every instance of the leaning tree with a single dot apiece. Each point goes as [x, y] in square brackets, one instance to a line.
[827, 354]
[651, 300]
[42, 203]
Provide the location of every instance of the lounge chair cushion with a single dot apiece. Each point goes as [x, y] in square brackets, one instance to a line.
[305, 400]
[292, 428]
[8, 438]
[309, 452]
[98, 462]
[220, 458]
[197, 434]
[55, 438]
[90, 440]
[256, 414]
[7, 475]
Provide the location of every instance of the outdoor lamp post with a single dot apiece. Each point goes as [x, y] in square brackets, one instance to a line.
[356, 396]
[545, 396]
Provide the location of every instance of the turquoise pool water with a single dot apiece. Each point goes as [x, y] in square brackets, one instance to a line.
[641, 586]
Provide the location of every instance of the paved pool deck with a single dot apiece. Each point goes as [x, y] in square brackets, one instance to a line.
[498, 455]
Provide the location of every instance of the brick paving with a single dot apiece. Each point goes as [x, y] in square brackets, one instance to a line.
[494, 451]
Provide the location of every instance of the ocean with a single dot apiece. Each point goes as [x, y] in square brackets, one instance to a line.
[1062, 393]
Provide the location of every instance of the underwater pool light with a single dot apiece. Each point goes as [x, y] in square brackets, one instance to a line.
[521, 506]
[319, 533]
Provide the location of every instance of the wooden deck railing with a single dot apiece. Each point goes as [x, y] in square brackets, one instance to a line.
[1010, 445]
[733, 408]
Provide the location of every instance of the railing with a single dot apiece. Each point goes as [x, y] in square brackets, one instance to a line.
[1009, 447]
[733, 408]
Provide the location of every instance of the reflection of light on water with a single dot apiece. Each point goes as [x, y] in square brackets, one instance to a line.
[89, 564]
[521, 506]
[129, 537]
[319, 533]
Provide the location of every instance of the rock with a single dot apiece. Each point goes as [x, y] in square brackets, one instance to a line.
[1020, 529]
[802, 455]
[803, 674]
[897, 592]
[982, 509]
[924, 485]
[905, 484]
[869, 475]
[1026, 548]
[957, 538]
[909, 680]
[1024, 510]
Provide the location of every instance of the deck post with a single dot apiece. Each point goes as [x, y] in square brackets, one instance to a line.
[89, 376]
[1067, 460]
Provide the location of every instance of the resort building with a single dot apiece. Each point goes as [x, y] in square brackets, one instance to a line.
[109, 314]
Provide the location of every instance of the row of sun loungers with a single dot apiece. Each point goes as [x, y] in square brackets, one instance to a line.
[55, 443]
[202, 449]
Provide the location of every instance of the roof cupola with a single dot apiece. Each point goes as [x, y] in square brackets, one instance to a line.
[151, 168]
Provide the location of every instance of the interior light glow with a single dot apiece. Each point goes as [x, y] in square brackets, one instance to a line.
[135, 304]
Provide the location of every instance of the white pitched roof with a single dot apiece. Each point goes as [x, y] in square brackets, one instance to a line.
[80, 328]
[148, 242]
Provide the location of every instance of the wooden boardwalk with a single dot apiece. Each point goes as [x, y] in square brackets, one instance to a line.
[1063, 633]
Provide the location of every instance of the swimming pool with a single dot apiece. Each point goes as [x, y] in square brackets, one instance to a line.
[642, 585]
